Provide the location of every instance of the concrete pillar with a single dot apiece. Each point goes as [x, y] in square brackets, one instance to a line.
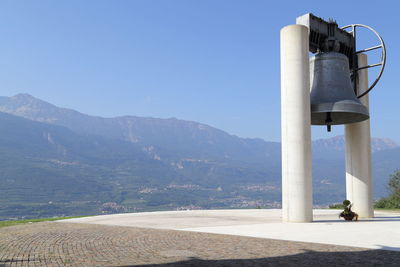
[358, 154]
[296, 125]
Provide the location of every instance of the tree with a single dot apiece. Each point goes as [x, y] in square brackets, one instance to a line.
[394, 183]
[393, 200]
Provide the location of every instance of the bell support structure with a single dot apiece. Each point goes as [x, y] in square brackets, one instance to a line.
[334, 99]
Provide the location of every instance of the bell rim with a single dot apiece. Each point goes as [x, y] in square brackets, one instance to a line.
[339, 113]
[351, 120]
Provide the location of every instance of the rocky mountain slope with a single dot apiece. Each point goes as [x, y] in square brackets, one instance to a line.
[56, 161]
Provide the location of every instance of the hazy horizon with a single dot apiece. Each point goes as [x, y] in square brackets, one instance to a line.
[95, 115]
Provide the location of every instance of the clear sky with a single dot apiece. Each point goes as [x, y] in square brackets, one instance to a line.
[215, 62]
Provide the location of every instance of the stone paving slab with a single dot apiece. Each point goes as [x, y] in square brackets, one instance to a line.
[76, 244]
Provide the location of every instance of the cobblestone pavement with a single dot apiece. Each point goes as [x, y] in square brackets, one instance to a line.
[73, 244]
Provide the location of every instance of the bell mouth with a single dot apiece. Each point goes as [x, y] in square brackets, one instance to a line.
[338, 113]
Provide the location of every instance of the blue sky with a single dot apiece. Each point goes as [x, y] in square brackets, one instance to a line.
[215, 62]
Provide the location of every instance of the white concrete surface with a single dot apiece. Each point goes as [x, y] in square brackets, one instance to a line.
[358, 154]
[381, 232]
[296, 125]
[185, 219]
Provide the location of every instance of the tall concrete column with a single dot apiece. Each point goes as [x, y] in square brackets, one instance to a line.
[358, 154]
[296, 125]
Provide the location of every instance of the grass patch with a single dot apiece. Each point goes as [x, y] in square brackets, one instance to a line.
[336, 206]
[10, 223]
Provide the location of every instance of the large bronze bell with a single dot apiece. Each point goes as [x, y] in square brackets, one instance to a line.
[333, 100]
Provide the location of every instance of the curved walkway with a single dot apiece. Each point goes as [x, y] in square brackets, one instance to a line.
[77, 244]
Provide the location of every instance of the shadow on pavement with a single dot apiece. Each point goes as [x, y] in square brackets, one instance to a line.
[308, 258]
[375, 219]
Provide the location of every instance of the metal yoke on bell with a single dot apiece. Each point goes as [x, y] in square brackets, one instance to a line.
[333, 100]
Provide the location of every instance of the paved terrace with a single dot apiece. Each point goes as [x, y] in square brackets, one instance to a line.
[381, 232]
[204, 238]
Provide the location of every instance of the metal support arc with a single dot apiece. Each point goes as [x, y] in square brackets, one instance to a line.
[368, 49]
[383, 54]
[367, 67]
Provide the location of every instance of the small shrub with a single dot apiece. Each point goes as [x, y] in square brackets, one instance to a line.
[347, 213]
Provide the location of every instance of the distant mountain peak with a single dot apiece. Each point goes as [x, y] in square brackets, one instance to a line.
[338, 143]
[23, 95]
[378, 144]
[29, 107]
[27, 99]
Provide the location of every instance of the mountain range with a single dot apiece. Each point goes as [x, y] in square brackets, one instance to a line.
[57, 161]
